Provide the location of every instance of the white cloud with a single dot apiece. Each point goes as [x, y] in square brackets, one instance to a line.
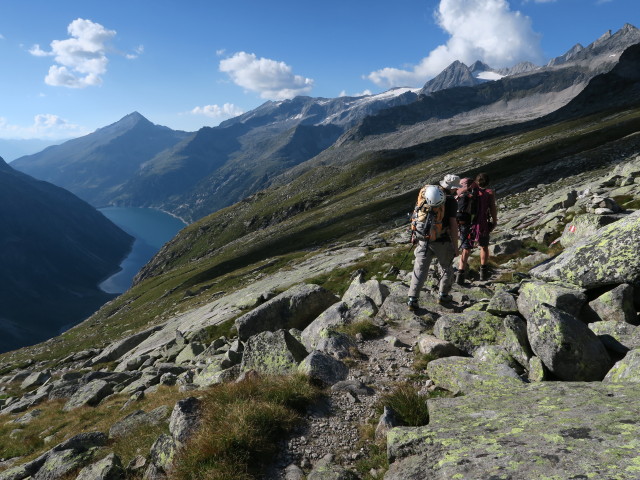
[45, 125]
[227, 110]
[139, 50]
[220, 52]
[80, 60]
[271, 79]
[486, 30]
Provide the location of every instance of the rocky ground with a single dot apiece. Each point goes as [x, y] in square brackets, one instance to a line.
[492, 347]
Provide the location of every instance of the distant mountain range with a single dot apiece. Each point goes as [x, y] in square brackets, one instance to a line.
[136, 163]
[54, 250]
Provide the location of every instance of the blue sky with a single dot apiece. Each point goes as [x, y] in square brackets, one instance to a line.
[70, 67]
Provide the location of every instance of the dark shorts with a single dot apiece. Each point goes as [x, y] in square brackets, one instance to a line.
[466, 240]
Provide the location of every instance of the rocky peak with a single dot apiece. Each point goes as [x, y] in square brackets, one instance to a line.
[455, 75]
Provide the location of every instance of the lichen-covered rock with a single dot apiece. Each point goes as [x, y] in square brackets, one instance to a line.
[436, 348]
[584, 226]
[161, 458]
[537, 371]
[185, 420]
[109, 468]
[334, 316]
[549, 430]
[90, 394]
[619, 337]
[295, 308]
[275, 353]
[470, 330]
[323, 368]
[209, 374]
[516, 341]
[465, 375]
[394, 310]
[60, 463]
[496, 354]
[189, 352]
[532, 294]
[566, 346]
[505, 247]
[610, 257]
[626, 370]
[502, 303]
[615, 305]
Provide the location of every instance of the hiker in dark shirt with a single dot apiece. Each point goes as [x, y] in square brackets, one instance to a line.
[475, 225]
[442, 241]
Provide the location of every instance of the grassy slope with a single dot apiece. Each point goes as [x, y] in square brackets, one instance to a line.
[330, 203]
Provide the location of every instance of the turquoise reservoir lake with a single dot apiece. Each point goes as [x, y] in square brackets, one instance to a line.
[151, 229]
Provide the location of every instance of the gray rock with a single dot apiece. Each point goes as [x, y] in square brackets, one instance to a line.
[161, 458]
[118, 349]
[466, 375]
[293, 472]
[610, 257]
[618, 337]
[566, 346]
[185, 420]
[132, 364]
[145, 381]
[585, 226]
[496, 354]
[523, 433]
[336, 315]
[295, 308]
[355, 387]
[371, 289]
[27, 418]
[506, 247]
[138, 419]
[35, 380]
[90, 394]
[387, 421]
[336, 344]
[109, 468]
[615, 305]
[273, 353]
[626, 370]
[469, 330]
[516, 341]
[532, 294]
[537, 371]
[323, 368]
[436, 348]
[502, 304]
[189, 353]
[61, 463]
[325, 469]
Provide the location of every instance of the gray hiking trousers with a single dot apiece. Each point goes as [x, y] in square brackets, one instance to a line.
[444, 253]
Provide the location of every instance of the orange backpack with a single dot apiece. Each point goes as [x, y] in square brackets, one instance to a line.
[431, 217]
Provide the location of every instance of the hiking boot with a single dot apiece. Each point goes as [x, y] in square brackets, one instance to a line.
[444, 299]
[413, 303]
[460, 277]
[484, 273]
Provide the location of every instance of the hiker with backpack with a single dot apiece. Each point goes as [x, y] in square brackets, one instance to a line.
[436, 231]
[477, 216]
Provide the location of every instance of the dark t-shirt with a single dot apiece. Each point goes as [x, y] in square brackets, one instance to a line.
[450, 211]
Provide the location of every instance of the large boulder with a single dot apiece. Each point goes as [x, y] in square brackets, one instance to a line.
[566, 346]
[295, 308]
[436, 348]
[615, 305]
[90, 394]
[532, 294]
[540, 431]
[516, 341]
[275, 353]
[465, 375]
[35, 380]
[610, 257]
[584, 226]
[502, 303]
[470, 330]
